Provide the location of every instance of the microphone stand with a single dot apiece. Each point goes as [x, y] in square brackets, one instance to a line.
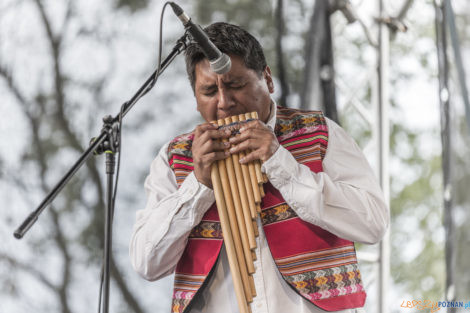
[106, 142]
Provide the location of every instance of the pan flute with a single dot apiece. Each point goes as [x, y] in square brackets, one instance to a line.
[238, 190]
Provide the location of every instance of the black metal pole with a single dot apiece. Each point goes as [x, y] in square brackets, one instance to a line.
[108, 229]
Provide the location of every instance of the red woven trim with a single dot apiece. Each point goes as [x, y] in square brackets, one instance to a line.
[351, 301]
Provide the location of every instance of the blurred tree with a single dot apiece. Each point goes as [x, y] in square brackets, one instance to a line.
[318, 89]
[281, 70]
[273, 23]
[461, 161]
[50, 113]
[59, 103]
[133, 5]
[417, 255]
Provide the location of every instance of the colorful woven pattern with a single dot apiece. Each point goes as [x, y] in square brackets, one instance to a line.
[185, 289]
[207, 230]
[188, 283]
[317, 260]
[182, 167]
[179, 304]
[307, 148]
[304, 134]
[276, 214]
[291, 122]
[180, 156]
[327, 283]
[182, 145]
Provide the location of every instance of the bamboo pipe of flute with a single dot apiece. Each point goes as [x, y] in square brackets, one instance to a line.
[254, 181]
[259, 174]
[255, 227]
[229, 243]
[247, 179]
[243, 195]
[229, 163]
[265, 178]
[237, 177]
[222, 165]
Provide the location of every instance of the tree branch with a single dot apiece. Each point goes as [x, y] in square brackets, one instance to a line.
[126, 293]
[41, 152]
[31, 270]
[13, 87]
[55, 43]
[279, 20]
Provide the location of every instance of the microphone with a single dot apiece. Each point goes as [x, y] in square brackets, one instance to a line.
[219, 62]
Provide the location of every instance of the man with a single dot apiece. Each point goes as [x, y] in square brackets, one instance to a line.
[321, 196]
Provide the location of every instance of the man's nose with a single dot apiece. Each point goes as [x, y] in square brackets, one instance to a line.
[225, 99]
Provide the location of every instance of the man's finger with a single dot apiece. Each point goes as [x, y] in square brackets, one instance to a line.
[213, 134]
[204, 127]
[244, 145]
[253, 155]
[213, 145]
[256, 124]
[252, 134]
[216, 155]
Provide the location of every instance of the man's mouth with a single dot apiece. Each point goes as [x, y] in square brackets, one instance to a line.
[224, 115]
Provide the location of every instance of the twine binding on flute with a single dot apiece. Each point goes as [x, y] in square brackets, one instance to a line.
[234, 127]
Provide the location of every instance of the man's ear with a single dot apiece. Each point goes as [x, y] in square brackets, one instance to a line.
[268, 78]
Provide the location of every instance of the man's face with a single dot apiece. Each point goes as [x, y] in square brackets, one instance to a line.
[241, 90]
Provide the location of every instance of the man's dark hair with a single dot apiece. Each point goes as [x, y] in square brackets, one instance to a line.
[230, 39]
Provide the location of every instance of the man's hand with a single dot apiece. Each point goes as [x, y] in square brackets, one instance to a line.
[206, 149]
[257, 137]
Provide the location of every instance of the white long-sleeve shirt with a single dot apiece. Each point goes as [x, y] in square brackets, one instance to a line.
[344, 199]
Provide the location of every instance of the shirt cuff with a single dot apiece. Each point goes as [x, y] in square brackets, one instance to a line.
[280, 167]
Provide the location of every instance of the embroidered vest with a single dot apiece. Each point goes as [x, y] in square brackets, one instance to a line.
[320, 266]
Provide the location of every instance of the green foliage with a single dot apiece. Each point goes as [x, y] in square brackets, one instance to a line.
[417, 234]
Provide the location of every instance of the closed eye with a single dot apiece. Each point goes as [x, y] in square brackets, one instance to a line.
[237, 86]
[210, 93]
